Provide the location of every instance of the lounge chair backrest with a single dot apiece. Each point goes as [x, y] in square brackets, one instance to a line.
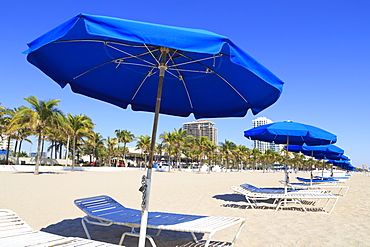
[96, 204]
[11, 222]
[250, 187]
[255, 189]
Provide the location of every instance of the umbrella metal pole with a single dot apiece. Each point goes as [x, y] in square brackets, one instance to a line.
[311, 169]
[144, 216]
[286, 168]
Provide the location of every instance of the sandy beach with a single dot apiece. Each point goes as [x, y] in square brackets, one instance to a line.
[45, 202]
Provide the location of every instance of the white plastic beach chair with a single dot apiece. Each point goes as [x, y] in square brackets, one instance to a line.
[296, 197]
[105, 211]
[14, 232]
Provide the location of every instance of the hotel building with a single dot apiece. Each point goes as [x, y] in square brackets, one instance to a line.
[201, 128]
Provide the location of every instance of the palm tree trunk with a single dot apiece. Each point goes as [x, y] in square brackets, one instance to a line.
[67, 151]
[19, 150]
[15, 151]
[15, 146]
[60, 150]
[7, 151]
[73, 154]
[38, 154]
[42, 146]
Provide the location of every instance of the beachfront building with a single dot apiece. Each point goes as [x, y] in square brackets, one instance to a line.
[263, 146]
[4, 142]
[201, 128]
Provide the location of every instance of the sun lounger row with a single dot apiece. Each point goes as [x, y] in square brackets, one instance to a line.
[255, 189]
[302, 199]
[340, 190]
[14, 232]
[105, 211]
[317, 180]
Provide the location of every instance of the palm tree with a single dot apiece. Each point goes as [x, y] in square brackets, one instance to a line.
[168, 140]
[37, 118]
[271, 157]
[6, 128]
[178, 142]
[112, 145]
[189, 147]
[94, 143]
[124, 136]
[201, 144]
[239, 153]
[226, 148]
[21, 135]
[143, 143]
[210, 151]
[255, 154]
[79, 126]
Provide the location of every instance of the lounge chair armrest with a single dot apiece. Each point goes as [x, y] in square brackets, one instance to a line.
[97, 222]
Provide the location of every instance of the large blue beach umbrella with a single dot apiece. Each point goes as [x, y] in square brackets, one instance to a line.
[154, 68]
[289, 132]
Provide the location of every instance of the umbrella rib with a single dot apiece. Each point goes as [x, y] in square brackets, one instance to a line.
[180, 77]
[116, 60]
[151, 53]
[209, 70]
[95, 40]
[111, 42]
[87, 71]
[131, 56]
[150, 73]
[228, 83]
[195, 71]
[196, 61]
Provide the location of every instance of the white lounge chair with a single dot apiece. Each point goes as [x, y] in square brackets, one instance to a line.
[105, 211]
[14, 232]
[282, 199]
[340, 190]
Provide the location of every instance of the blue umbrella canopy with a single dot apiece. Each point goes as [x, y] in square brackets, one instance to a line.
[118, 61]
[320, 151]
[344, 164]
[289, 132]
[155, 68]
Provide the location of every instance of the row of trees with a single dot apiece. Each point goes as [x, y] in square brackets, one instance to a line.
[76, 135]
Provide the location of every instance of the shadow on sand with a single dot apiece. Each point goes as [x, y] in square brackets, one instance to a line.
[230, 197]
[112, 234]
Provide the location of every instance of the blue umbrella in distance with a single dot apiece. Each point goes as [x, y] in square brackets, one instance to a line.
[318, 152]
[154, 68]
[289, 132]
[344, 164]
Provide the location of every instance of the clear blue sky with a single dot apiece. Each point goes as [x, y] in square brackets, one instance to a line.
[320, 49]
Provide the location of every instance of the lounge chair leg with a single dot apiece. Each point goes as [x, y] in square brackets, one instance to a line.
[300, 203]
[194, 237]
[335, 203]
[237, 233]
[85, 228]
[209, 239]
[251, 203]
[136, 235]
[278, 204]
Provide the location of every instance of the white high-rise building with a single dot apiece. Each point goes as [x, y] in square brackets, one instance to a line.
[263, 146]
